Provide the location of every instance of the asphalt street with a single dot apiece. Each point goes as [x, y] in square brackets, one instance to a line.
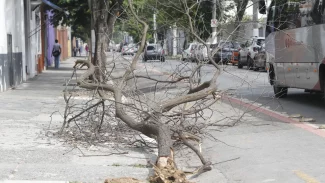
[260, 148]
[254, 87]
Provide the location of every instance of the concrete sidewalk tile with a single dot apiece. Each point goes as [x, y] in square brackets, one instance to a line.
[32, 181]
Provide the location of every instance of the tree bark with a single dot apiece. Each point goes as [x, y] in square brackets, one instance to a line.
[241, 7]
[99, 17]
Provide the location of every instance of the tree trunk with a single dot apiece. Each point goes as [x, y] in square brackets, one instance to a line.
[241, 7]
[100, 15]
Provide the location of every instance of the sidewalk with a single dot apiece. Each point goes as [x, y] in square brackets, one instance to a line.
[258, 149]
[28, 154]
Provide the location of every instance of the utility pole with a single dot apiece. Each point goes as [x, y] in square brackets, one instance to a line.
[214, 22]
[154, 27]
[174, 39]
[255, 18]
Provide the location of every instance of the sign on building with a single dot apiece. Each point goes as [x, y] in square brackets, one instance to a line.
[214, 22]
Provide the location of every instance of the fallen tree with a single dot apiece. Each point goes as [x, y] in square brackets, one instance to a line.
[172, 120]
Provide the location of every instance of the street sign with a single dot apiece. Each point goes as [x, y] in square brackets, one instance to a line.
[214, 22]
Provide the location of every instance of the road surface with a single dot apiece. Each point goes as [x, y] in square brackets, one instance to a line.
[264, 147]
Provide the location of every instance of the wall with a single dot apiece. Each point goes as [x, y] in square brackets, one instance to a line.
[50, 38]
[62, 37]
[3, 48]
[34, 42]
[69, 42]
[245, 31]
[12, 22]
[180, 41]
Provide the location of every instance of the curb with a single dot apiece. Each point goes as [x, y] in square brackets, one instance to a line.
[31, 181]
[304, 126]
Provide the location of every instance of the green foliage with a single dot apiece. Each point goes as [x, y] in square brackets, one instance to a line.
[78, 16]
[168, 13]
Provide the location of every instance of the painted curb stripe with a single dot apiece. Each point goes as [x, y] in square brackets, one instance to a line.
[267, 112]
[275, 115]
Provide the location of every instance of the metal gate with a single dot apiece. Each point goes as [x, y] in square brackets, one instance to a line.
[10, 60]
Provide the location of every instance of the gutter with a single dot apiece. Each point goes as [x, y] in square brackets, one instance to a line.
[47, 2]
[52, 5]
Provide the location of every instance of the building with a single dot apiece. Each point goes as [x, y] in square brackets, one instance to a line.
[245, 30]
[12, 44]
[25, 45]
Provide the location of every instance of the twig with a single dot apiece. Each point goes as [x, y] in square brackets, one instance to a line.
[233, 159]
[104, 154]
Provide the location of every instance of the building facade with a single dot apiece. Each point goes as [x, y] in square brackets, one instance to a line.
[12, 43]
[26, 41]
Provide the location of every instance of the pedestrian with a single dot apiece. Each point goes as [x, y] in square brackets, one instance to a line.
[79, 53]
[56, 52]
[87, 49]
[74, 51]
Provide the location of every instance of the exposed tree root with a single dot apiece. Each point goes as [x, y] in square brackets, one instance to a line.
[123, 180]
[168, 173]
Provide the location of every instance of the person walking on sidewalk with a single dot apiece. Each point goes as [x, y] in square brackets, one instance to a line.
[56, 52]
[87, 49]
[74, 51]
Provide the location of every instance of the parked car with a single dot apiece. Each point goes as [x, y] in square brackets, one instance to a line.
[248, 52]
[213, 50]
[188, 53]
[128, 49]
[235, 53]
[260, 59]
[201, 52]
[224, 53]
[111, 46]
[117, 47]
[154, 52]
[135, 47]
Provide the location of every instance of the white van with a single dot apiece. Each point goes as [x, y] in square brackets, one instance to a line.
[202, 52]
[189, 52]
[195, 51]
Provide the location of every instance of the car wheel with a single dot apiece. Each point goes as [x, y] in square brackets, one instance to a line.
[255, 68]
[249, 63]
[144, 59]
[280, 92]
[162, 59]
[239, 65]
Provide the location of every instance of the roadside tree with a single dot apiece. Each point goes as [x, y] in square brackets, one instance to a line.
[167, 110]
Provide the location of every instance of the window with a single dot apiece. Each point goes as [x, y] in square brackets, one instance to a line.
[212, 46]
[317, 12]
[226, 44]
[291, 14]
[236, 45]
[248, 43]
[150, 48]
[260, 42]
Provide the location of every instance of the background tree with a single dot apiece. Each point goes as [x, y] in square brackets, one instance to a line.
[241, 6]
[172, 110]
[102, 15]
[77, 15]
[171, 12]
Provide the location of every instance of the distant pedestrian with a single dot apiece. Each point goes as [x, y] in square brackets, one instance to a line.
[87, 49]
[74, 51]
[56, 52]
[79, 51]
